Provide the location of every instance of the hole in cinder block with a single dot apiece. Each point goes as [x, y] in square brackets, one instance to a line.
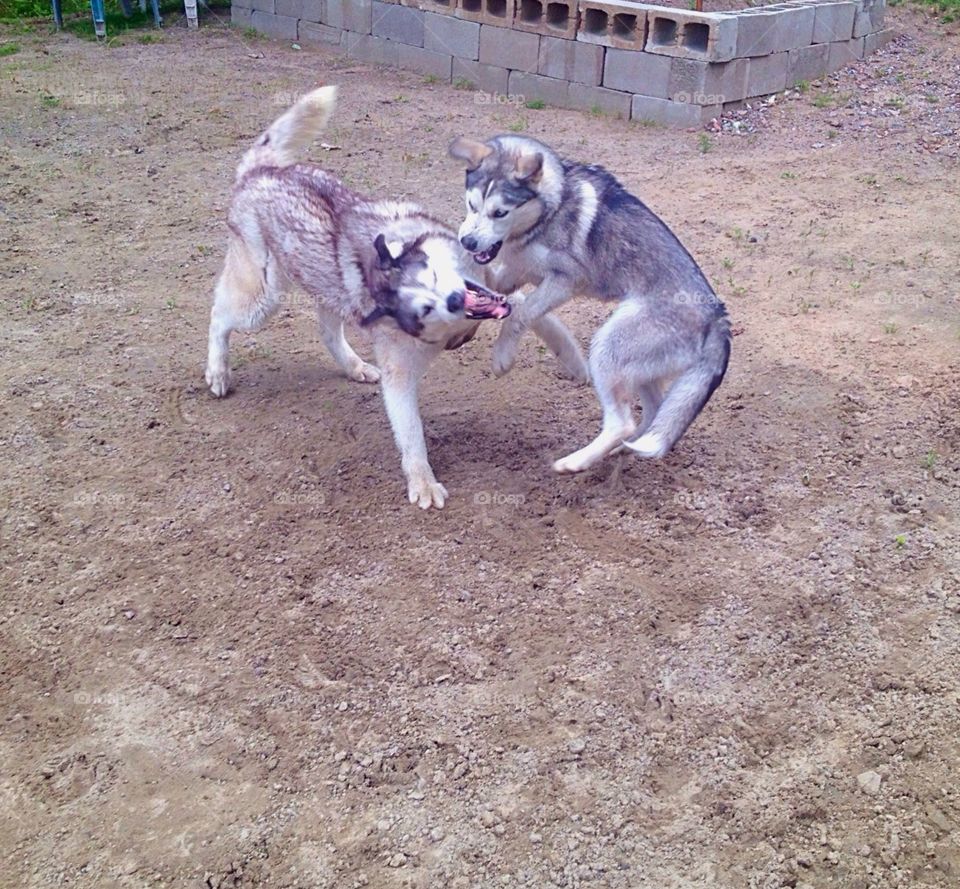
[625, 26]
[530, 11]
[696, 35]
[472, 5]
[595, 21]
[497, 8]
[440, 2]
[664, 32]
[558, 15]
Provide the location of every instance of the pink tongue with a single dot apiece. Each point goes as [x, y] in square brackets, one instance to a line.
[482, 305]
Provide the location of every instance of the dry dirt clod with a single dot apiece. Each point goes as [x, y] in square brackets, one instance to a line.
[869, 782]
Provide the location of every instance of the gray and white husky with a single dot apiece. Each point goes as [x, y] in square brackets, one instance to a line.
[386, 264]
[572, 229]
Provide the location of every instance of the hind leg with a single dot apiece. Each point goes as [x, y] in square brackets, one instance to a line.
[244, 299]
[616, 392]
[331, 329]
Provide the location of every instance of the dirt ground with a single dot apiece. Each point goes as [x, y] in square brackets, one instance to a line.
[233, 655]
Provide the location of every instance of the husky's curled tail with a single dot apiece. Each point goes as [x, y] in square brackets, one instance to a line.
[286, 139]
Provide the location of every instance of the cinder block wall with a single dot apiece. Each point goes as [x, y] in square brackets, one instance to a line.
[617, 57]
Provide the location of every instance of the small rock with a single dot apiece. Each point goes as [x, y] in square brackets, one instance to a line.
[536, 838]
[869, 782]
[487, 818]
[577, 745]
[398, 860]
[913, 749]
[437, 834]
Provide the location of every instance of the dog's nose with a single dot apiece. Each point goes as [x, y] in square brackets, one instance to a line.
[455, 302]
[469, 243]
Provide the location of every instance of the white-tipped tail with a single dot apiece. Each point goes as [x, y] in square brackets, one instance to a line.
[285, 141]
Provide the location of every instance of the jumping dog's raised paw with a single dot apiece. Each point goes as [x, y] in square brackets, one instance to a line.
[504, 355]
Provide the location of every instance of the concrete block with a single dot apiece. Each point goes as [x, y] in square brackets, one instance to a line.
[243, 4]
[444, 33]
[310, 32]
[676, 114]
[708, 83]
[241, 17]
[571, 60]
[436, 64]
[487, 79]
[596, 98]
[770, 29]
[263, 6]
[620, 24]
[844, 53]
[711, 37]
[637, 72]
[499, 13]
[507, 48]
[767, 74]
[283, 27]
[524, 87]
[877, 40]
[311, 10]
[807, 63]
[557, 18]
[869, 17]
[439, 7]
[349, 15]
[400, 23]
[375, 50]
[833, 22]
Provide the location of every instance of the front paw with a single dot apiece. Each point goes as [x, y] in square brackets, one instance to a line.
[364, 373]
[424, 490]
[575, 367]
[218, 379]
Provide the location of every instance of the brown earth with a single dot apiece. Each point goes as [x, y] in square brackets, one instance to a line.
[233, 655]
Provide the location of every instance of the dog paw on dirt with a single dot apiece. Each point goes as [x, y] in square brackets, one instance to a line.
[365, 373]
[426, 492]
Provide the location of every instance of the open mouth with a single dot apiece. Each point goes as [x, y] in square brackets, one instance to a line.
[481, 303]
[488, 255]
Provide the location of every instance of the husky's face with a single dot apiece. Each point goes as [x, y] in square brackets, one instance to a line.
[420, 285]
[502, 195]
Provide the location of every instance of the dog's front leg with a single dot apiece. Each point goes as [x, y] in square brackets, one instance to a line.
[528, 311]
[403, 361]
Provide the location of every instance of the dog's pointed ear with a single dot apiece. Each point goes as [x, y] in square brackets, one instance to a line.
[388, 254]
[471, 152]
[529, 167]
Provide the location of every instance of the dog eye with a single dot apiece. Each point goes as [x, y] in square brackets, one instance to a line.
[499, 214]
[427, 310]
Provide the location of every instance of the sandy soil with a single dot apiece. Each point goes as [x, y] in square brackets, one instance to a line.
[233, 655]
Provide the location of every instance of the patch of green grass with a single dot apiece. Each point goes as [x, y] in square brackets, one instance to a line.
[900, 541]
[596, 111]
[890, 328]
[704, 143]
[9, 49]
[930, 459]
[518, 126]
[786, 174]
[896, 102]
[48, 101]
[728, 264]
[461, 83]
[824, 100]
[431, 79]
[802, 86]
[535, 104]
[148, 38]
